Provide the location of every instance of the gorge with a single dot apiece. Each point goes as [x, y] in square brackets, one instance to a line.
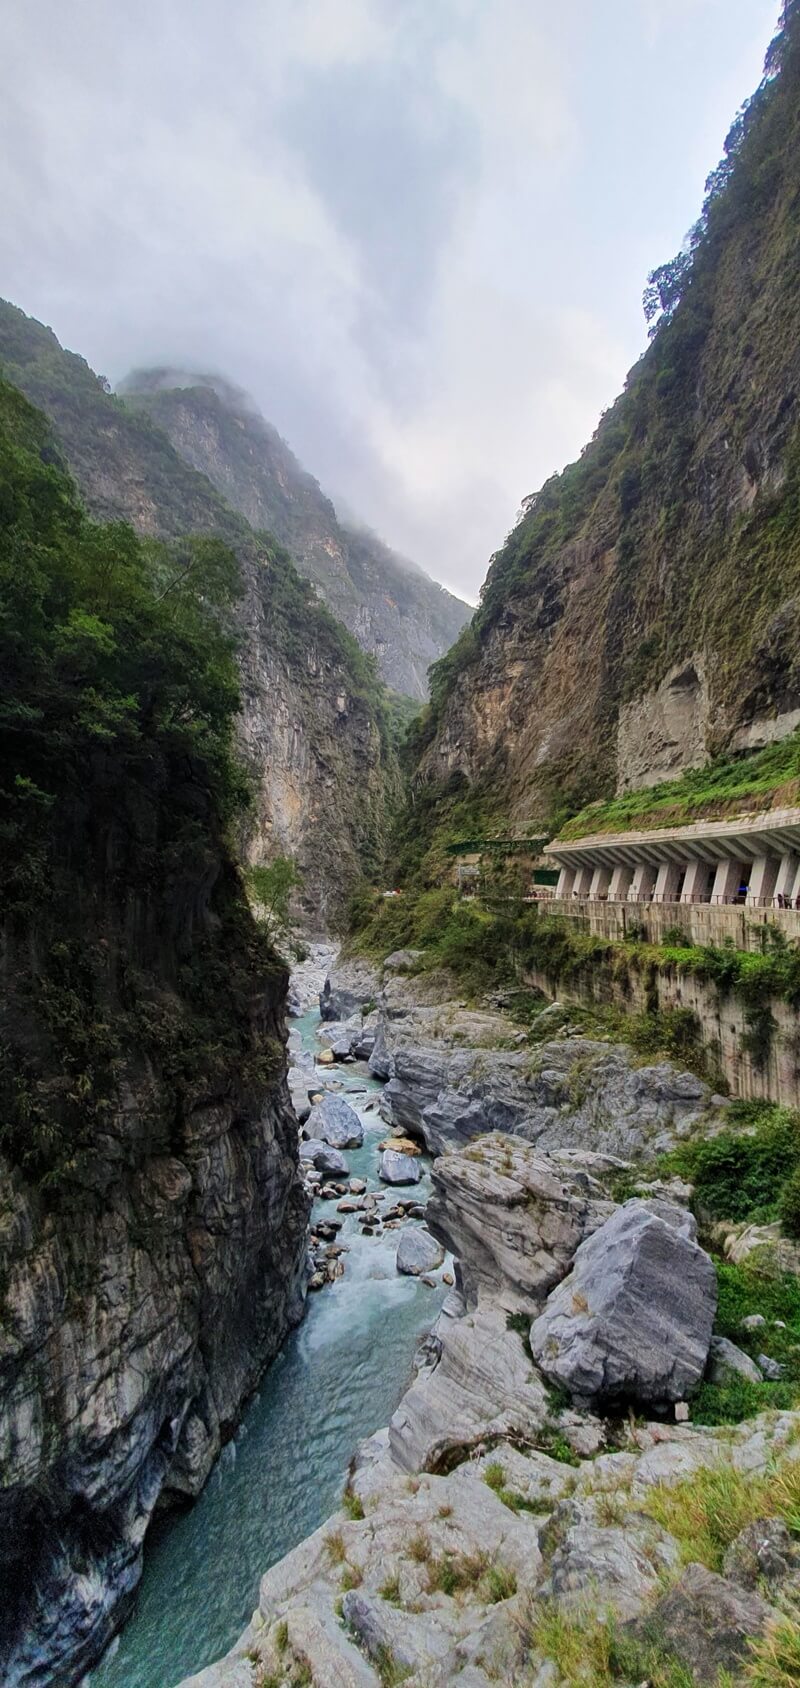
[404, 1286]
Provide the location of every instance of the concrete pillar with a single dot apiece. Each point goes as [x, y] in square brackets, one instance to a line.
[583, 880]
[566, 880]
[620, 883]
[762, 880]
[787, 876]
[695, 885]
[600, 882]
[727, 880]
[644, 879]
[669, 874]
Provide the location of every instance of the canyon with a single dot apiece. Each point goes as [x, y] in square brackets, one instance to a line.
[429, 1313]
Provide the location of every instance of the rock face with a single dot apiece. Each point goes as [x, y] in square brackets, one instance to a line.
[633, 1320]
[706, 1624]
[308, 729]
[394, 610]
[514, 1218]
[444, 1576]
[142, 1293]
[590, 613]
[572, 1093]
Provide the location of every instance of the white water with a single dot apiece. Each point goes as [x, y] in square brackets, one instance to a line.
[337, 1379]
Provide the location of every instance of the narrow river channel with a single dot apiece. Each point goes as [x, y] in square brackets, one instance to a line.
[337, 1379]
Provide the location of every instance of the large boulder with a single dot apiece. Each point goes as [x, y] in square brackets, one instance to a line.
[396, 1168]
[474, 1385]
[727, 1363]
[633, 1319]
[418, 1252]
[335, 1003]
[513, 1217]
[335, 1122]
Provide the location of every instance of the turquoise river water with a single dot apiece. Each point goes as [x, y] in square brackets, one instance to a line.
[337, 1379]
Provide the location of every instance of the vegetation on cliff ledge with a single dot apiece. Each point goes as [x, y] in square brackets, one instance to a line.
[728, 785]
[127, 943]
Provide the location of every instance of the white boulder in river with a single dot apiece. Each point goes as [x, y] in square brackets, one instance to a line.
[418, 1252]
[335, 1122]
[396, 1168]
[633, 1319]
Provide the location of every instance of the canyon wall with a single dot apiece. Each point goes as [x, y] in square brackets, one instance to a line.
[645, 612]
[313, 725]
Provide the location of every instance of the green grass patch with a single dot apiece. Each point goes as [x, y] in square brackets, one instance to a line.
[771, 775]
[742, 1174]
[707, 1511]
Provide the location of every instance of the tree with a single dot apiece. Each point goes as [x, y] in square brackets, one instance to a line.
[272, 889]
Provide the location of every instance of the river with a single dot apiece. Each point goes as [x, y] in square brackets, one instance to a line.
[338, 1378]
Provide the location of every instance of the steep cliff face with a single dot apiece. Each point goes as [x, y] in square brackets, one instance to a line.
[313, 722]
[152, 1219]
[646, 610]
[394, 610]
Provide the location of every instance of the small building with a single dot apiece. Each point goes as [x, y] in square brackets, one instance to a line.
[502, 866]
[749, 859]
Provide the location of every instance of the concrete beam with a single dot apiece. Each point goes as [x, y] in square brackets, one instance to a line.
[643, 883]
[762, 880]
[695, 885]
[666, 890]
[620, 883]
[727, 880]
[600, 882]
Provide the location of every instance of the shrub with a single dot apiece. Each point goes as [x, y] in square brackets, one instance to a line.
[740, 1175]
[789, 1205]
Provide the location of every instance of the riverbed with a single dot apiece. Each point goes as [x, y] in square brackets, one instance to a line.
[338, 1378]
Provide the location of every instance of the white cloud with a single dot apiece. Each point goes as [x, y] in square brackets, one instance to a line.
[413, 231]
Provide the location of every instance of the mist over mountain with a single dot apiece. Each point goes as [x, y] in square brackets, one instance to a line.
[393, 608]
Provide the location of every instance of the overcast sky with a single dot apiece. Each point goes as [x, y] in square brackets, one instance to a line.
[416, 231]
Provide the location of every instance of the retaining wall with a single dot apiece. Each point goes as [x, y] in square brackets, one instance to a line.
[721, 1019]
[703, 923]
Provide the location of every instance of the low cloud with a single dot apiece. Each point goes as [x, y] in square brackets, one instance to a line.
[416, 234]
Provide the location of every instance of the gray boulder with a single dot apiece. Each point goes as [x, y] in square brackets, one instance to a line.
[727, 1362]
[763, 1554]
[337, 1004]
[396, 1168]
[335, 1122]
[633, 1319]
[364, 1045]
[706, 1624]
[322, 1156]
[418, 1252]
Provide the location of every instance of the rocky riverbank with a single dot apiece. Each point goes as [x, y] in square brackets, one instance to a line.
[528, 1506]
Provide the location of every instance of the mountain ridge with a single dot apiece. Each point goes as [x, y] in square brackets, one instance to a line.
[389, 603]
